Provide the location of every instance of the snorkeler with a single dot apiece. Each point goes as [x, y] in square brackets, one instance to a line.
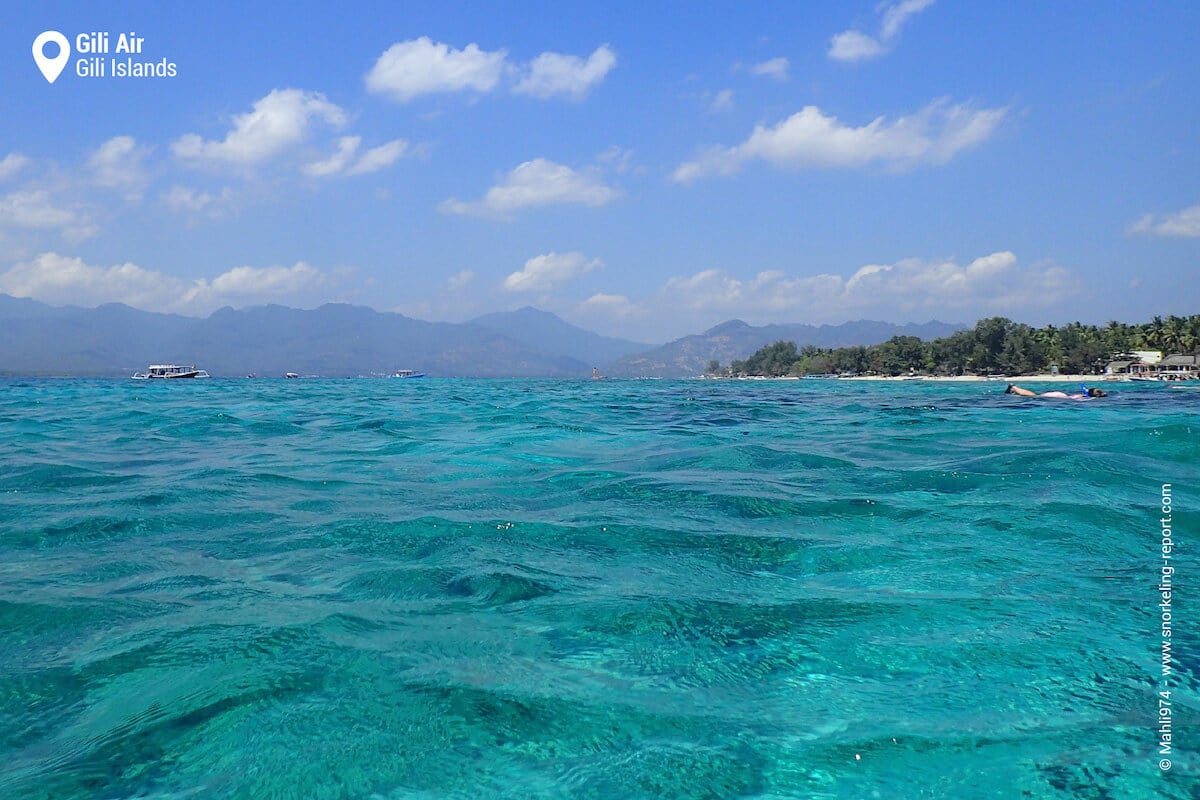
[1086, 393]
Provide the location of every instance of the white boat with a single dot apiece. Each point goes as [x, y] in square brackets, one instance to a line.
[407, 373]
[170, 371]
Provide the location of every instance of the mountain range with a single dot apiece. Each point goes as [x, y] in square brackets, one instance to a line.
[338, 340]
[737, 340]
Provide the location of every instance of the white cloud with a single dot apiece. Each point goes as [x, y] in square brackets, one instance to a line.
[346, 148]
[33, 209]
[811, 139]
[722, 101]
[342, 160]
[380, 157]
[554, 73]
[617, 159]
[61, 280]
[185, 199]
[537, 183]
[56, 279]
[278, 121]
[197, 203]
[417, 67]
[1181, 223]
[69, 203]
[707, 289]
[776, 68]
[612, 305]
[460, 280]
[614, 314]
[990, 284]
[117, 164]
[549, 271]
[254, 283]
[853, 45]
[11, 165]
[896, 15]
[421, 66]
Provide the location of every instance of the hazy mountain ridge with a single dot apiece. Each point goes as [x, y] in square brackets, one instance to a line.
[736, 339]
[338, 340]
[535, 328]
[334, 340]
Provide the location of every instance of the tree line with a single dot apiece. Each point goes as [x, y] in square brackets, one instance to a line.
[994, 346]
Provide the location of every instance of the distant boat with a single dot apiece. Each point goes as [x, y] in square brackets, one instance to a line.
[169, 371]
[292, 375]
[406, 373]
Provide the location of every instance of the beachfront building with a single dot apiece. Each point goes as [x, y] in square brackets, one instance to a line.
[1150, 357]
[1135, 364]
[1129, 369]
[1152, 365]
[1177, 367]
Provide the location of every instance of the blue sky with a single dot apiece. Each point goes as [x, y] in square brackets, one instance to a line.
[642, 170]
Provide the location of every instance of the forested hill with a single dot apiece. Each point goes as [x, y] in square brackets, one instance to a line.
[994, 346]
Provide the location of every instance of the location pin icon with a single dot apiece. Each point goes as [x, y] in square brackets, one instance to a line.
[51, 67]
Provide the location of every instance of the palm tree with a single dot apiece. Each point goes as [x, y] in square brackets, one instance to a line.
[1154, 332]
[1191, 334]
[1116, 338]
[1173, 334]
[1048, 340]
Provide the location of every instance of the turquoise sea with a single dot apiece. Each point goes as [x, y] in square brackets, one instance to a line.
[576, 589]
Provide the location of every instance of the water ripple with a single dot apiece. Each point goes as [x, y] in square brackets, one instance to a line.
[515, 589]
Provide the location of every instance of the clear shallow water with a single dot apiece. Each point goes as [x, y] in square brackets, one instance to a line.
[525, 589]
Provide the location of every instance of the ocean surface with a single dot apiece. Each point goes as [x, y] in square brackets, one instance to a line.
[592, 589]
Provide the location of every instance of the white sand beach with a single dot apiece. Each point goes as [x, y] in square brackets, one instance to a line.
[1020, 379]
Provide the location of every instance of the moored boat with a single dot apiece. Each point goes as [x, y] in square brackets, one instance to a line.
[407, 373]
[170, 371]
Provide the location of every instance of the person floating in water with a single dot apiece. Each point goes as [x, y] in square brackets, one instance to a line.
[1085, 394]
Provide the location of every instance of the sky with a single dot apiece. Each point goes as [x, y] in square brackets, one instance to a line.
[643, 170]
